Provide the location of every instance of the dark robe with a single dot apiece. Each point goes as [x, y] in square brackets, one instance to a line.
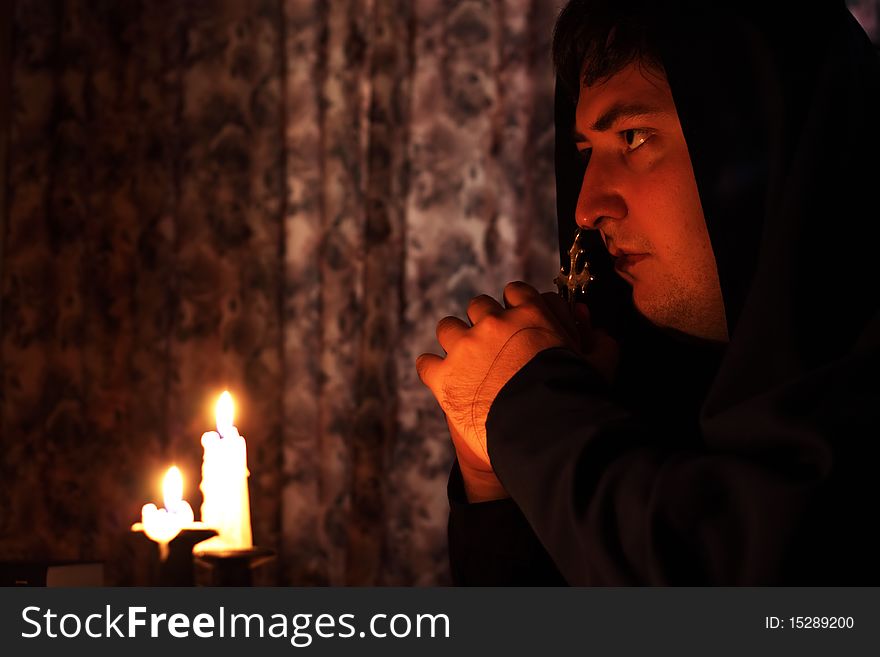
[751, 463]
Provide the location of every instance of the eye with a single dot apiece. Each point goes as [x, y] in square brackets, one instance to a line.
[635, 137]
[584, 154]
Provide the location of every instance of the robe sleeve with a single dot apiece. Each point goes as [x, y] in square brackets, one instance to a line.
[491, 543]
[775, 492]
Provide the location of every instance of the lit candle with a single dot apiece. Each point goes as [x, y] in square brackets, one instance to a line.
[226, 503]
[162, 525]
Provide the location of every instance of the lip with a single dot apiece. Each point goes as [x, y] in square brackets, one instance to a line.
[625, 261]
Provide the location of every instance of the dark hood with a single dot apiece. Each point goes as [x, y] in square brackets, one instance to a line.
[779, 110]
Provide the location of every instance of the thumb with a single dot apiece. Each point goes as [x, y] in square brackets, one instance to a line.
[582, 315]
[560, 310]
[584, 326]
[426, 366]
[603, 352]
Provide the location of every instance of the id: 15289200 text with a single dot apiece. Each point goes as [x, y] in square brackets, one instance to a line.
[809, 623]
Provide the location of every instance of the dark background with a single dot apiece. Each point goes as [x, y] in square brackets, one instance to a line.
[280, 198]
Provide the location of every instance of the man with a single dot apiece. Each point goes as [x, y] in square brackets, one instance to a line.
[712, 418]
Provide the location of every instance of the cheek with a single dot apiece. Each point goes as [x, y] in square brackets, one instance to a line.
[667, 206]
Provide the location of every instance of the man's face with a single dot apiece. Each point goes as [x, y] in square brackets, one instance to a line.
[639, 191]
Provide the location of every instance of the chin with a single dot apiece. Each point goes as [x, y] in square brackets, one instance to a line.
[679, 317]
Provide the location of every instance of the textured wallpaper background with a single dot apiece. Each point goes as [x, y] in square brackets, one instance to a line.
[280, 198]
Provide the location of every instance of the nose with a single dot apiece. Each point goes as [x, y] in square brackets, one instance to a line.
[599, 199]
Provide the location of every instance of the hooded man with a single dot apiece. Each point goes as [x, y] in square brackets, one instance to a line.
[713, 417]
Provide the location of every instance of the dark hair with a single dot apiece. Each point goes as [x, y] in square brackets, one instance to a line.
[594, 39]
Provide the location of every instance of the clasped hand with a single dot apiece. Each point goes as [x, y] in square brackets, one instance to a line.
[482, 358]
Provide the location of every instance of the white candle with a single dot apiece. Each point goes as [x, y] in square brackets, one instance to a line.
[162, 525]
[226, 503]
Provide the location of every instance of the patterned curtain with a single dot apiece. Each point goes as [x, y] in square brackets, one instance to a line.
[279, 198]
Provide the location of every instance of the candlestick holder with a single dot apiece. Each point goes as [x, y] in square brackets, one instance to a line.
[245, 567]
[177, 569]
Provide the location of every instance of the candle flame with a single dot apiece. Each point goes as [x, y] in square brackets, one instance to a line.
[172, 487]
[224, 413]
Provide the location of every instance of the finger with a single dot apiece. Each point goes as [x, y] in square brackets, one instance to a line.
[427, 366]
[449, 331]
[481, 306]
[517, 293]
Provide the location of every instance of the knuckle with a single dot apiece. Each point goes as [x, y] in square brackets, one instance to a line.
[491, 323]
[529, 310]
[478, 300]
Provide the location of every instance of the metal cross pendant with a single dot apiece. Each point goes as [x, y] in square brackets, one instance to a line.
[574, 280]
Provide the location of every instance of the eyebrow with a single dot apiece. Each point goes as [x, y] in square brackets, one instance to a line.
[617, 112]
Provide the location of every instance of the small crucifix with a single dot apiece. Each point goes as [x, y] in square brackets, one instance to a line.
[574, 280]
